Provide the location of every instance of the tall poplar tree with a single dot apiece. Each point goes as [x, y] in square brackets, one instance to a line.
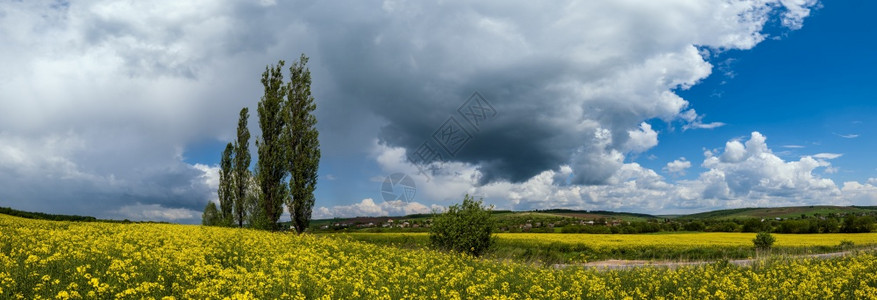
[271, 165]
[303, 145]
[226, 189]
[241, 168]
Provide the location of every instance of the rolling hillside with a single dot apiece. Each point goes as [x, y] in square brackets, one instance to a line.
[778, 212]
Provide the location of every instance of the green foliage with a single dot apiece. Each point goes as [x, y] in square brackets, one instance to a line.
[271, 163]
[226, 187]
[755, 225]
[289, 146]
[465, 228]
[241, 167]
[853, 224]
[255, 215]
[829, 225]
[798, 226]
[723, 226]
[763, 240]
[45, 216]
[211, 215]
[694, 226]
[302, 140]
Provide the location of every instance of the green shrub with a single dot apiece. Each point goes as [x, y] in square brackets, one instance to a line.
[465, 228]
[763, 240]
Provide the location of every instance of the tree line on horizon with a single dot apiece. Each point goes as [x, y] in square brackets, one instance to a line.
[44, 216]
[503, 221]
[288, 157]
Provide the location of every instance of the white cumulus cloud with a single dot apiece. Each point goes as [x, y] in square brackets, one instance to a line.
[678, 166]
[744, 173]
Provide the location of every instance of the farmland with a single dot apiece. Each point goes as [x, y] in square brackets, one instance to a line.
[548, 248]
[803, 219]
[73, 260]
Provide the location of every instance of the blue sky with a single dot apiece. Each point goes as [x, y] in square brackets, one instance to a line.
[809, 88]
[121, 110]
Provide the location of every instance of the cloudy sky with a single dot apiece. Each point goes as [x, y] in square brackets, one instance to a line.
[120, 109]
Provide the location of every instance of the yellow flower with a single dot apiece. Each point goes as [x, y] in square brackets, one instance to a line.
[62, 295]
[165, 261]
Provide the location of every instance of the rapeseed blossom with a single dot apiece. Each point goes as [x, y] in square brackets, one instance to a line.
[68, 260]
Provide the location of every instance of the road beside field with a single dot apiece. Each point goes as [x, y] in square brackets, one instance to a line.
[621, 264]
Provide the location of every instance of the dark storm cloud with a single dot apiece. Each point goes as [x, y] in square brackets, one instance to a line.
[414, 70]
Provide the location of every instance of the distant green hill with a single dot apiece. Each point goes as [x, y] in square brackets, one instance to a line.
[778, 212]
[45, 216]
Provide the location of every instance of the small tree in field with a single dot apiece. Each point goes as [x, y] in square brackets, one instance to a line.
[465, 228]
[763, 240]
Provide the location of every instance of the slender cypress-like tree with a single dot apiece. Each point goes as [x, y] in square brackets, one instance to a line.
[241, 167]
[271, 165]
[226, 183]
[303, 145]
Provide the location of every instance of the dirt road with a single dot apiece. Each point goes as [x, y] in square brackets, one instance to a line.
[619, 264]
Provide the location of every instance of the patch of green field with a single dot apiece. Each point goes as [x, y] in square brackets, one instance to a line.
[778, 212]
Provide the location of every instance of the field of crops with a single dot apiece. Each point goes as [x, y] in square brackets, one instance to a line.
[67, 260]
[576, 248]
[700, 239]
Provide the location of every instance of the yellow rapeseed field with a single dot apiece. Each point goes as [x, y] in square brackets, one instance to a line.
[700, 239]
[67, 260]
[579, 248]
